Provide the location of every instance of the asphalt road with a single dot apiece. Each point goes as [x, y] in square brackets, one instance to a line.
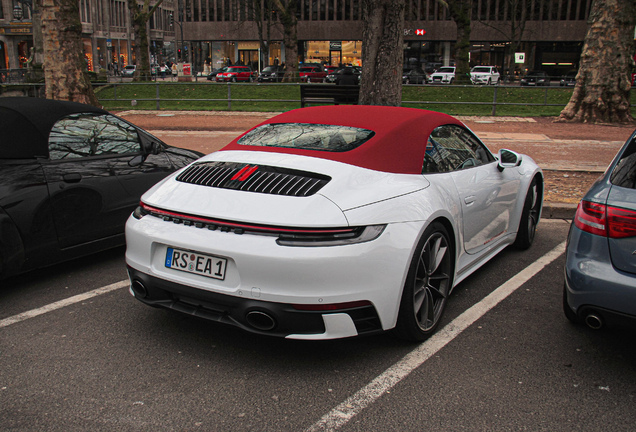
[505, 359]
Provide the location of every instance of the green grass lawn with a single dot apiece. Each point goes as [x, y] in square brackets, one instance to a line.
[455, 100]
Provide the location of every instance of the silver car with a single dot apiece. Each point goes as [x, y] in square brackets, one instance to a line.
[600, 268]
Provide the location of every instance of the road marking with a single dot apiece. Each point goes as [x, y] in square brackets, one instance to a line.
[63, 303]
[344, 412]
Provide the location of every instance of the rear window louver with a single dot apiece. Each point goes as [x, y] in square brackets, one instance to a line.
[254, 178]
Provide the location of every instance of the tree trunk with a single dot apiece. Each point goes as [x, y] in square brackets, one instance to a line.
[263, 21]
[287, 10]
[601, 94]
[139, 17]
[382, 52]
[65, 68]
[460, 11]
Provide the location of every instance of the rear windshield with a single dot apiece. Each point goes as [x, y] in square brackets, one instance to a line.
[624, 174]
[307, 136]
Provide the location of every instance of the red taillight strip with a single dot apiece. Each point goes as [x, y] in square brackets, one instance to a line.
[248, 227]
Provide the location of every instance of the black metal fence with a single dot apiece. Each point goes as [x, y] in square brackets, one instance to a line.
[24, 88]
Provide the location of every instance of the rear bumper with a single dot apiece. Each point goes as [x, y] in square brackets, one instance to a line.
[267, 318]
[593, 284]
[264, 276]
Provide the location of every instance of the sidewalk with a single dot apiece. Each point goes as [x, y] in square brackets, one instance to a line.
[561, 149]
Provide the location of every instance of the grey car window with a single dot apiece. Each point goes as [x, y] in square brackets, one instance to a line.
[85, 135]
[451, 147]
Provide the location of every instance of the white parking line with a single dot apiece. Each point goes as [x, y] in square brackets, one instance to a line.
[344, 412]
[63, 303]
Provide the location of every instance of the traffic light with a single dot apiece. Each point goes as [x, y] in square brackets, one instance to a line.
[171, 20]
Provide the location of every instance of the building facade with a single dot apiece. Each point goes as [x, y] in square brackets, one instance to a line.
[544, 34]
[106, 33]
[548, 33]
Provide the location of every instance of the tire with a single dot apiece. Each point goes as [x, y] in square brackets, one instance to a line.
[427, 286]
[308, 80]
[489, 82]
[529, 215]
[567, 310]
[233, 79]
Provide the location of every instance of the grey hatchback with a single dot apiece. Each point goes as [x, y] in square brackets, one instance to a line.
[600, 267]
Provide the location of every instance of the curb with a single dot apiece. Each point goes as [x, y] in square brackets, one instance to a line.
[558, 211]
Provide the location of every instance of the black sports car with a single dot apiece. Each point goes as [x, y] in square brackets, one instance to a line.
[70, 175]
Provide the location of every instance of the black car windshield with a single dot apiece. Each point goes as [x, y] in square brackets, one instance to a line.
[307, 136]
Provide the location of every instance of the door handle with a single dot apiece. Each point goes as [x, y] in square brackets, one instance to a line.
[469, 200]
[72, 178]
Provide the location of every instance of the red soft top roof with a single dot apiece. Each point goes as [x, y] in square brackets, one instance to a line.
[398, 145]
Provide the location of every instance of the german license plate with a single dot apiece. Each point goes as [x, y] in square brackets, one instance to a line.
[197, 263]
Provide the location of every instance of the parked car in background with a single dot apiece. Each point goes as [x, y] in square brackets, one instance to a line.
[70, 175]
[333, 76]
[535, 78]
[128, 71]
[569, 79]
[271, 74]
[484, 75]
[600, 269]
[414, 76]
[236, 74]
[444, 75]
[312, 73]
[311, 226]
[213, 73]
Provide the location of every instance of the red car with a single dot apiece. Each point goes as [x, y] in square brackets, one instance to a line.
[237, 73]
[312, 74]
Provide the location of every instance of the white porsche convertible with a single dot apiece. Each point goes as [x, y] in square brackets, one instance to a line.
[331, 222]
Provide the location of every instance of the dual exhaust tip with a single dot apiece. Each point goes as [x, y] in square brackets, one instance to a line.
[256, 319]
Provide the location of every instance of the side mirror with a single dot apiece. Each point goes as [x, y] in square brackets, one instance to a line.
[150, 147]
[137, 160]
[508, 159]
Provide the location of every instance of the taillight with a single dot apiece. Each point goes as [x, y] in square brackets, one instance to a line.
[622, 222]
[590, 217]
[606, 221]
